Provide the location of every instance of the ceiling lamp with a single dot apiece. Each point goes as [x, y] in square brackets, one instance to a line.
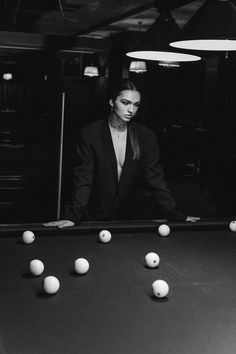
[138, 66]
[7, 76]
[155, 45]
[163, 56]
[91, 71]
[212, 28]
[166, 64]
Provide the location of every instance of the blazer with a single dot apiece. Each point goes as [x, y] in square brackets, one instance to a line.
[98, 195]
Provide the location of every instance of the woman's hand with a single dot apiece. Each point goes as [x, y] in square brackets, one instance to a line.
[193, 218]
[60, 223]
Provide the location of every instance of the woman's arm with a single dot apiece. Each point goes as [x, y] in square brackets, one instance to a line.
[59, 223]
[155, 178]
[82, 185]
[82, 180]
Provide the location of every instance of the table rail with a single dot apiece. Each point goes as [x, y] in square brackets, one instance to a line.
[113, 226]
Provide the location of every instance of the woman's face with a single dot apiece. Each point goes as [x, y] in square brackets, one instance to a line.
[125, 106]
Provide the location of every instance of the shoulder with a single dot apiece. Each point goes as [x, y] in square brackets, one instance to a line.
[147, 138]
[144, 131]
[92, 128]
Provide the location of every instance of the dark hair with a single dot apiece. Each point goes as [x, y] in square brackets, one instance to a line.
[133, 136]
[123, 85]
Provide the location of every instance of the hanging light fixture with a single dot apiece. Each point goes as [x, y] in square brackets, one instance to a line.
[163, 56]
[91, 70]
[212, 28]
[155, 45]
[166, 64]
[7, 76]
[138, 66]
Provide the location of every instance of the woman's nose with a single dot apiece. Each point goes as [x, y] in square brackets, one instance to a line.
[131, 109]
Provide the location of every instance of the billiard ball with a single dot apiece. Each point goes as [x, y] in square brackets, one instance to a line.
[104, 236]
[28, 237]
[232, 226]
[160, 288]
[152, 259]
[51, 284]
[36, 267]
[164, 230]
[81, 266]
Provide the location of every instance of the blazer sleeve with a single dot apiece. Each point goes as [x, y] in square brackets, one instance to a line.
[82, 181]
[155, 178]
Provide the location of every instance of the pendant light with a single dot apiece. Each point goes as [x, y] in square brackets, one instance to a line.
[138, 66]
[91, 70]
[212, 28]
[155, 45]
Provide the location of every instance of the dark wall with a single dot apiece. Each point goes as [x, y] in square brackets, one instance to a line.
[30, 131]
[191, 108]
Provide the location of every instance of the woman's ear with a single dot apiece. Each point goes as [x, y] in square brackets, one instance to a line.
[111, 102]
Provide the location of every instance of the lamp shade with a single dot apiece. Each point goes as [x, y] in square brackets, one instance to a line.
[138, 66]
[91, 71]
[7, 76]
[213, 28]
[155, 45]
[160, 33]
[163, 56]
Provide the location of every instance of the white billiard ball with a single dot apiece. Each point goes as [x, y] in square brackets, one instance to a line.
[28, 237]
[164, 230]
[152, 259]
[51, 284]
[81, 266]
[160, 288]
[36, 267]
[232, 226]
[105, 236]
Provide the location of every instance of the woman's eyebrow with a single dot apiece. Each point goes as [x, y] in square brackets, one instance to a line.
[125, 99]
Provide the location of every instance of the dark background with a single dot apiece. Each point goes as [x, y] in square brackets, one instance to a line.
[191, 108]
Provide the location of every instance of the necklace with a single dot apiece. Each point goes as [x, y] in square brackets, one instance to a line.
[121, 128]
[117, 133]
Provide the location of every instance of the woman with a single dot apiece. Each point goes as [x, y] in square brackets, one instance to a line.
[117, 157]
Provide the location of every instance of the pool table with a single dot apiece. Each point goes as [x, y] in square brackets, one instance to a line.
[111, 309]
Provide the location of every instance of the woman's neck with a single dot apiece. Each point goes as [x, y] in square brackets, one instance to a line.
[117, 123]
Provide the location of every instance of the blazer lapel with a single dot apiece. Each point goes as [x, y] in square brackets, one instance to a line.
[109, 147]
[128, 159]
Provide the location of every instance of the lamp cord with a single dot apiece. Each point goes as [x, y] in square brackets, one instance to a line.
[61, 7]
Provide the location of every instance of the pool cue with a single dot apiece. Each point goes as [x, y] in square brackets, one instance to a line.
[61, 156]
